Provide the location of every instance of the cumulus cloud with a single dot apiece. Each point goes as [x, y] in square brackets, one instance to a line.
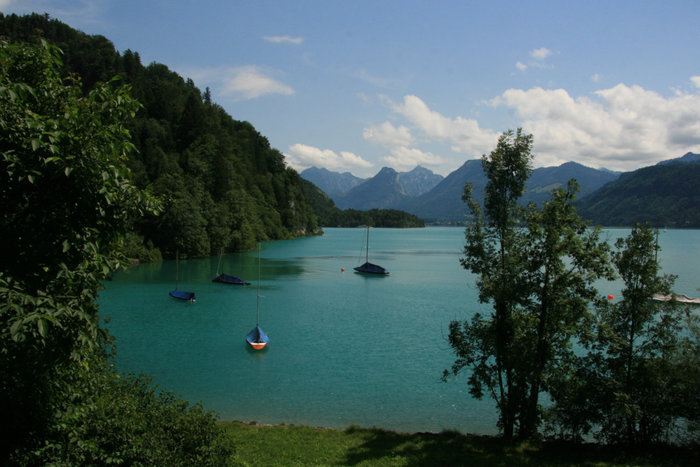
[521, 66]
[464, 135]
[695, 80]
[302, 156]
[388, 135]
[241, 83]
[284, 40]
[620, 128]
[403, 158]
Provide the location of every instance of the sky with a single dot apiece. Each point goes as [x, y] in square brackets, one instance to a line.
[354, 86]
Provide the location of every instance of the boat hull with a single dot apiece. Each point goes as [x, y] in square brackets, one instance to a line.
[369, 268]
[257, 338]
[182, 295]
[228, 279]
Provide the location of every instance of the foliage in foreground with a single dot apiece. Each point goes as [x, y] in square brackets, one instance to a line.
[110, 419]
[67, 197]
[536, 268]
[639, 379]
[289, 445]
[624, 372]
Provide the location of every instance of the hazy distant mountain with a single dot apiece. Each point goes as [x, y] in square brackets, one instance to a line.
[666, 194]
[687, 157]
[418, 181]
[332, 183]
[336, 185]
[444, 202]
[383, 191]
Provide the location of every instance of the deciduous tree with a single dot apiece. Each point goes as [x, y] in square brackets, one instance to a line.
[535, 267]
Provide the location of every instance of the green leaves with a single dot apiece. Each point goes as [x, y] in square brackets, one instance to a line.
[66, 199]
[536, 268]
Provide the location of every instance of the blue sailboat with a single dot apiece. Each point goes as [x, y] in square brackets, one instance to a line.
[370, 268]
[257, 338]
[180, 294]
[227, 278]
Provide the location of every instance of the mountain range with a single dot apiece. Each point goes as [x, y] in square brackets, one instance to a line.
[604, 196]
[437, 199]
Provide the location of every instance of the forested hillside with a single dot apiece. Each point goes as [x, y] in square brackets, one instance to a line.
[220, 182]
[665, 195]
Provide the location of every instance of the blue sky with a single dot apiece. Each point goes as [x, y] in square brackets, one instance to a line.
[359, 85]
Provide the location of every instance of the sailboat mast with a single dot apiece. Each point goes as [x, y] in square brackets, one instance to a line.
[218, 266]
[257, 317]
[177, 266]
[367, 248]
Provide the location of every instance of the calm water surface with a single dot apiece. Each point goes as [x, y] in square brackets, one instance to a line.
[345, 348]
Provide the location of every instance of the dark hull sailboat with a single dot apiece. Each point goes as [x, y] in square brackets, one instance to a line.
[180, 294]
[257, 338]
[370, 268]
[227, 278]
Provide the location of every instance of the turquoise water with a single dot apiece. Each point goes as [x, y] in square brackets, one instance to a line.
[345, 348]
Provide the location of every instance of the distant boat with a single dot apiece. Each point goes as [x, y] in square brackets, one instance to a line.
[180, 294]
[370, 268]
[227, 278]
[257, 338]
[680, 298]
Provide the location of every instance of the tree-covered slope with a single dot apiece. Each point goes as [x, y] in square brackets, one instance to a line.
[221, 183]
[664, 195]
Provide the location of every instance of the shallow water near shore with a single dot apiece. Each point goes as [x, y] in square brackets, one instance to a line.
[344, 348]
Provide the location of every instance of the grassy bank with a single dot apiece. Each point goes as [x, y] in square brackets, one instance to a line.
[289, 445]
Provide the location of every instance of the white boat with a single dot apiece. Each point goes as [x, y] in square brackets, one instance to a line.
[681, 298]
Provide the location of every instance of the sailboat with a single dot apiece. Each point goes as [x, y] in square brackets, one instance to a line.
[227, 278]
[370, 268]
[180, 294]
[257, 338]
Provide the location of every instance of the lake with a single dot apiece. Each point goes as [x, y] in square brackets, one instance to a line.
[344, 348]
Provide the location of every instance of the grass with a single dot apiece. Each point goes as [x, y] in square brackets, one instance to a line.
[290, 445]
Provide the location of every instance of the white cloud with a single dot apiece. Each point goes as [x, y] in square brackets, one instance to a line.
[284, 40]
[541, 53]
[620, 128]
[596, 78]
[241, 83]
[521, 66]
[404, 158]
[302, 157]
[464, 135]
[388, 135]
[695, 80]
